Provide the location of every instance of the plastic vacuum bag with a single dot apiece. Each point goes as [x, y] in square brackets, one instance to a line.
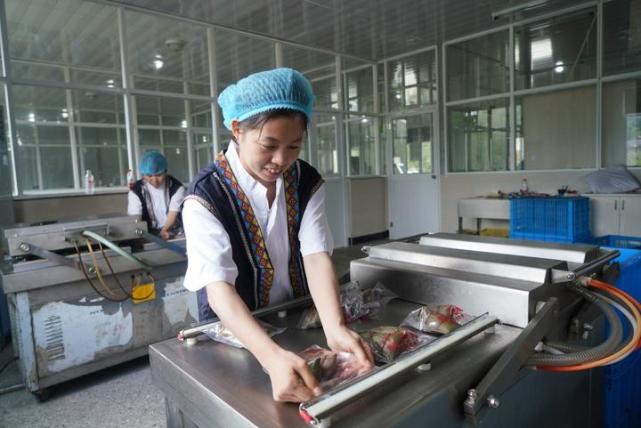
[357, 304]
[222, 334]
[614, 179]
[331, 368]
[389, 342]
[441, 319]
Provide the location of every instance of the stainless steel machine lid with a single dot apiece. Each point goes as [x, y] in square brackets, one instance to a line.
[499, 265]
[572, 253]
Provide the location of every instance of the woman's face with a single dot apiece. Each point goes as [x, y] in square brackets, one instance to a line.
[267, 152]
[155, 180]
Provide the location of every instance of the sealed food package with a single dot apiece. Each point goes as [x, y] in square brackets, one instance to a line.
[441, 319]
[222, 334]
[388, 342]
[331, 368]
[357, 304]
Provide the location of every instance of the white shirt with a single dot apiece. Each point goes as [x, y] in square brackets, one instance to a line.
[209, 249]
[158, 201]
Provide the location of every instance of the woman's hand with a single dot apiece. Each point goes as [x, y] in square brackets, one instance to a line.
[342, 339]
[291, 378]
[164, 234]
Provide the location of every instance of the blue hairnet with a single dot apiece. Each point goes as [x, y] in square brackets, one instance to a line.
[153, 163]
[280, 88]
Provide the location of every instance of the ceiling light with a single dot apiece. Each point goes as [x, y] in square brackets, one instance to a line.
[204, 139]
[110, 83]
[364, 120]
[64, 113]
[31, 117]
[183, 124]
[158, 63]
[559, 67]
[174, 45]
[398, 96]
[177, 150]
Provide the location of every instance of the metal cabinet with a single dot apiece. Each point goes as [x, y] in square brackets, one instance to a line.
[616, 215]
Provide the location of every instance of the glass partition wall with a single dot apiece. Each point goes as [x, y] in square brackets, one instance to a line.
[93, 85]
[560, 91]
[96, 85]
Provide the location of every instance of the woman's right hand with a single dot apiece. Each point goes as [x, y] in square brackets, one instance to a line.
[291, 378]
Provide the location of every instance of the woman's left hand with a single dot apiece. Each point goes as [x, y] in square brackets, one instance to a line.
[342, 339]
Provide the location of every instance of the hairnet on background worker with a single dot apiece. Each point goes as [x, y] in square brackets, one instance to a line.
[157, 196]
[256, 228]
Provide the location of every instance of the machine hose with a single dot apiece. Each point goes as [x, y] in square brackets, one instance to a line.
[603, 349]
[566, 347]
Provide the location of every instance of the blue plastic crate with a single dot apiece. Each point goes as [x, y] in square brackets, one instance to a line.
[618, 241]
[553, 219]
[622, 381]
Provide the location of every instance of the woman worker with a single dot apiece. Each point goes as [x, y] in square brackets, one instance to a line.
[156, 197]
[256, 229]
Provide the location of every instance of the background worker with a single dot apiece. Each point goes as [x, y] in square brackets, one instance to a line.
[157, 197]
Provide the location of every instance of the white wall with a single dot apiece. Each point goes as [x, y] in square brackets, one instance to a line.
[65, 208]
[368, 206]
[457, 186]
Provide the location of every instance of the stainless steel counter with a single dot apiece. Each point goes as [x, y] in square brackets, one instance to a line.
[214, 385]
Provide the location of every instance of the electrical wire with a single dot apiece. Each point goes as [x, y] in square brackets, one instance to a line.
[630, 318]
[113, 273]
[101, 280]
[84, 271]
[632, 344]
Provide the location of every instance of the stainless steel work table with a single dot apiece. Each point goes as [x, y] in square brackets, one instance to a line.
[214, 385]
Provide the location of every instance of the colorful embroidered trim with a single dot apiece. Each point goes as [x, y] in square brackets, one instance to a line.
[290, 179]
[257, 242]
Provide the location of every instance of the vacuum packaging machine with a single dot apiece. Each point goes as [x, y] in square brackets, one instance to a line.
[523, 297]
[89, 294]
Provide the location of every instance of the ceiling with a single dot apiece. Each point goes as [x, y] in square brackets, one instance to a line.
[367, 29]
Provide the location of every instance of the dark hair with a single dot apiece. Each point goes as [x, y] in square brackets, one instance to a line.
[259, 120]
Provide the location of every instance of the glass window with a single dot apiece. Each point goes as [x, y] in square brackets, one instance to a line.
[621, 36]
[478, 136]
[359, 90]
[559, 50]
[326, 93]
[97, 107]
[478, 67]
[622, 123]
[556, 130]
[65, 32]
[175, 150]
[40, 104]
[163, 53]
[326, 147]
[412, 138]
[204, 149]
[412, 81]
[364, 156]
[43, 157]
[238, 56]
[104, 152]
[163, 111]
[200, 114]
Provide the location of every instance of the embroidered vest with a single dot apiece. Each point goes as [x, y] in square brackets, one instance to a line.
[171, 187]
[217, 189]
